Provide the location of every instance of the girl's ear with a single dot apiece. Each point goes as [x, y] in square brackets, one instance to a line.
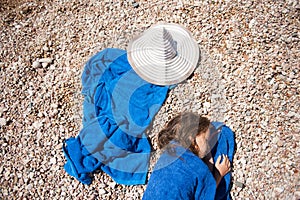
[194, 145]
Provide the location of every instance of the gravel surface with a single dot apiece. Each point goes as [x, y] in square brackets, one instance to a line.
[248, 77]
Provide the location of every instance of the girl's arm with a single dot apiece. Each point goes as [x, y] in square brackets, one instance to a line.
[222, 168]
[209, 161]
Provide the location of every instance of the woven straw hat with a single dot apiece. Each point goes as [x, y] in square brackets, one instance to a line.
[165, 54]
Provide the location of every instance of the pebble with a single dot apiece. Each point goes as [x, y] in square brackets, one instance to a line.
[53, 161]
[206, 105]
[52, 67]
[37, 124]
[36, 64]
[46, 60]
[278, 190]
[135, 4]
[31, 175]
[239, 184]
[44, 64]
[102, 191]
[112, 184]
[2, 121]
[297, 195]
[243, 161]
[280, 143]
[252, 23]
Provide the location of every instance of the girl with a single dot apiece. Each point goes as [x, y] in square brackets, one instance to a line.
[186, 170]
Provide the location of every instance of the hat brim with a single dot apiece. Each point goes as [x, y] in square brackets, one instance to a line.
[144, 55]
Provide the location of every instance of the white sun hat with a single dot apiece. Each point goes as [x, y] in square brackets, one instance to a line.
[164, 54]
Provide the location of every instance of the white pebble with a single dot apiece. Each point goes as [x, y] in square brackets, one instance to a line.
[243, 161]
[36, 64]
[102, 191]
[45, 64]
[2, 122]
[252, 23]
[31, 175]
[53, 161]
[279, 190]
[206, 105]
[52, 67]
[46, 60]
[37, 124]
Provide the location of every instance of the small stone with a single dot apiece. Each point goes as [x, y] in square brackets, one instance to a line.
[54, 105]
[36, 64]
[2, 122]
[297, 195]
[46, 60]
[31, 175]
[280, 143]
[30, 92]
[45, 65]
[255, 146]
[53, 161]
[243, 161]
[275, 139]
[5, 192]
[215, 96]
[278, 190]
[265, 145]
[59, 146]
[20, 194]
[112, 184]
[37, 124]
[135, 4]
[275, 164]
[239, 184]
[291, 114]
[102, 191]
[252, 23]
[240, 174]
[140, 190]
[6, 175]
[206, 105]
[45, 48]
[2, 109]
[186, 101]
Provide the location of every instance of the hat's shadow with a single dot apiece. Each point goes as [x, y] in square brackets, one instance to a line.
[197, 89]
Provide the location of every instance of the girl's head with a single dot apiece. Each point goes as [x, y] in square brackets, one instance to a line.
[189, 130]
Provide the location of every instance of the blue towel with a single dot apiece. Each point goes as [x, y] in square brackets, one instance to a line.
[186, 176]
[118, 106]
[225, 145]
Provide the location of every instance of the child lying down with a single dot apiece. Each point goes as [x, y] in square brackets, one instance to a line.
[186, 168]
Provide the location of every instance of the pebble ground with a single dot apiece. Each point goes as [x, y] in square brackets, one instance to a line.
[248, 77]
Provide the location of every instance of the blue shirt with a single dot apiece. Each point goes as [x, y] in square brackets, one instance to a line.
[183, 176]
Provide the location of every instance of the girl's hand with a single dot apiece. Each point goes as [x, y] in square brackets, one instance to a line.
[224, 166]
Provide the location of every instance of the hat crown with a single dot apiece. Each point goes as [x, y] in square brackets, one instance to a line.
[163, 45]
[170, 46]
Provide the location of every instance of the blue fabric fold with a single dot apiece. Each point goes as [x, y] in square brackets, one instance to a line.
[118, 106]
[225, 145]
[186, 176]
